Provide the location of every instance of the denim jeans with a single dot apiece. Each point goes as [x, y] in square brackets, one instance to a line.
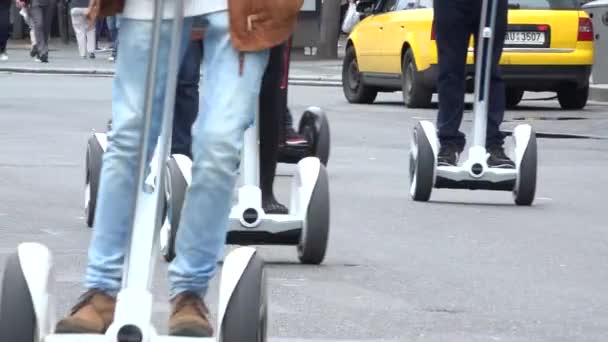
[113, 26]
[227, 109]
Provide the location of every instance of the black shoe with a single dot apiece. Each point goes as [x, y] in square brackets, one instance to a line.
[34, 51]
[91, 56]
[272, 206]
[498, 158]
[448, 155]
[44, 58]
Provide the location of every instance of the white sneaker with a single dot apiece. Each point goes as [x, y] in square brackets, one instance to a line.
[111, 58]
[3, 56]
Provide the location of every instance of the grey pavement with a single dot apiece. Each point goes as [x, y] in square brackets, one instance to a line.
[467, 266]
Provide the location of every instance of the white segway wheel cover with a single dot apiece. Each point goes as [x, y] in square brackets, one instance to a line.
[94, 159]
[17, 314]
[422, 165]
[525, 186]
[315, 233]
[176, 191]
[246, 316]
[314, 126]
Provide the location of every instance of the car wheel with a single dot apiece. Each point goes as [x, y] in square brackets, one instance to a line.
[513, 97]
[354, 89]
[573, 97]
[415, 94]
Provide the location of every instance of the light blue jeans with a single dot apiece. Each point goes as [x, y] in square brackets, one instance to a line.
[228, 103]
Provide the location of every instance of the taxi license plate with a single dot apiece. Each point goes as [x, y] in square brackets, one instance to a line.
[532, 38]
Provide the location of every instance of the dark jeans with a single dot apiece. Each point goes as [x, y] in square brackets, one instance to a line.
[39, 16]
[186, 99]
[455, 21]
[5, 11]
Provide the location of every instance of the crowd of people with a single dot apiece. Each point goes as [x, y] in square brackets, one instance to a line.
[37, 15]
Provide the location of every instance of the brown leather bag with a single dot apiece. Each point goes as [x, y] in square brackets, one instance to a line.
[104, 8]
[256, 25]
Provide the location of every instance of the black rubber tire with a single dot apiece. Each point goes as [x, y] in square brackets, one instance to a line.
[176, 189]
[314, 237]
[94, 159]
[246, 317]
[415, 94]
[571, 97]
[526, 184]
[422, 167]
[315, 128]
[17, 315]
[355, 90]
[513, 97]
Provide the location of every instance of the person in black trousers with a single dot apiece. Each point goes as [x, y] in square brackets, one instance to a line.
[5, 11]
[455, 21]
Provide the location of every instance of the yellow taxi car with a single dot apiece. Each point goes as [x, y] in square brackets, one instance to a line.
[548, 47]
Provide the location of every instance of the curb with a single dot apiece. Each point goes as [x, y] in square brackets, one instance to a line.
[599, 94]
[306, 80]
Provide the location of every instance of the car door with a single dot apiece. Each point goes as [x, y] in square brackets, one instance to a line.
[393, 34]
[368, 47]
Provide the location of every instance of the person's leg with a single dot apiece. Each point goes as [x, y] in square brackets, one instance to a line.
[80, 25]
[4, 26]
[37, 16]
[273, 101]
[113, 28]
[226, 112]
[117, 190]
[90, 37]
[496, 111]
[452, 30]
[186, 99]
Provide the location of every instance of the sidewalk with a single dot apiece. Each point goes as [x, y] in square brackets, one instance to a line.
[64, 59]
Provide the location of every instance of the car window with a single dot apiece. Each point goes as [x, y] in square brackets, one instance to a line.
[544, 4]
[405, 5]
[425, 4]
[388, 6]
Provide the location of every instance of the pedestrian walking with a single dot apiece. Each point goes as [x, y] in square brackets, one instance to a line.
[38, 13]
[85, 33]
[113, 25]
[26, 17]
[5, 10]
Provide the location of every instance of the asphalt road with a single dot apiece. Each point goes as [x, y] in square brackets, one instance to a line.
[468, 266]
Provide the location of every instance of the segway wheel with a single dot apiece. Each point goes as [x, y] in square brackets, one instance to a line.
[422, 166]
[315, 128]
[246, 316]
[525, 186]
[94, 158]
[176, 191]
[315, 233]
[17, 314]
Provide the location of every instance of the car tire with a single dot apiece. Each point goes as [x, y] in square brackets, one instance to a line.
[415, 94]
[353, 87]
[572, 97]
[513, 97]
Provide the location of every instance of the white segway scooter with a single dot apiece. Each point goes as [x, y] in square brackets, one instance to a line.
[306, 225]
[27, 302]
[474, 173]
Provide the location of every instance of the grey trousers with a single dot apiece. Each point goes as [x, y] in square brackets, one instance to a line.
[39, 17]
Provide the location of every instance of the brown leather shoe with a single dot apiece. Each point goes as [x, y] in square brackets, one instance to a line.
[189, 316]
[93, 314]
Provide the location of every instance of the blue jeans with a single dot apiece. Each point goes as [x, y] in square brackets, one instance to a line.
[226, 111]
[113, 25]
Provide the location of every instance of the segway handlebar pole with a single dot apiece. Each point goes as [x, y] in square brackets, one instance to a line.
[146, 220]
[483, 70]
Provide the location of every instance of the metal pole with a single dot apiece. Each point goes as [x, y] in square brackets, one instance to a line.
[483, 70]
